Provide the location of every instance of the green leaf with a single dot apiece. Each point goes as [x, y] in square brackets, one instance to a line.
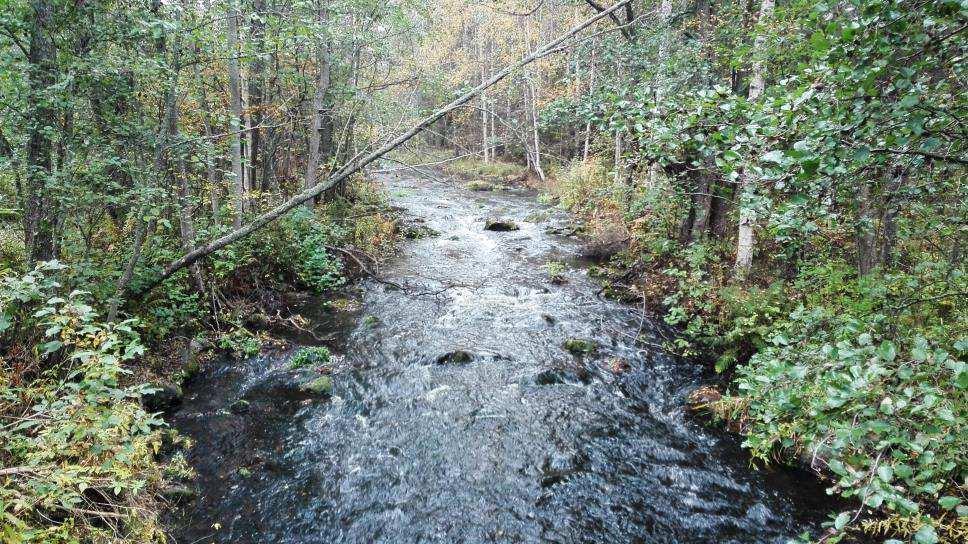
[841, 521]
[885, 473]
[887, 351]
[51, 347]
[774, 156]
[926, 535]
[949, 502]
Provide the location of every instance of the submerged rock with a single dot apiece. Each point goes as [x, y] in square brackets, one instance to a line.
[480, 186]
[240, 406]
[559, 376]
[580, 346]
[501, 225]
[459, 357]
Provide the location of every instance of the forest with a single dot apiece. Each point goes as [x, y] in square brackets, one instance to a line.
[774, 191]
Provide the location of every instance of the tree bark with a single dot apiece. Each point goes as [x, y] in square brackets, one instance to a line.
[865, 232]
[255, 91]
[235, 119]
[323, 82]
[40, 214]
[745, 240]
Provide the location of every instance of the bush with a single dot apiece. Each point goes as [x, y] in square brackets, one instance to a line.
[313, 356]
[80, 457]
[886, 418]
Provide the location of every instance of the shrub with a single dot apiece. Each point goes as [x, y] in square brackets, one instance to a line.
[886, 418]
[81, 453]
[313, 356]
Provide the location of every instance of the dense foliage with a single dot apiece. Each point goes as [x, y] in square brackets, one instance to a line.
[130, 133]
[79, 451]
[788, 178]
[791, 179]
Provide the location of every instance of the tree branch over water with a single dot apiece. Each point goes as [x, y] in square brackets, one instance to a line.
[358, 163]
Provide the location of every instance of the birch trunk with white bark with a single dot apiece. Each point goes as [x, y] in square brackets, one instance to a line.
[746, 238]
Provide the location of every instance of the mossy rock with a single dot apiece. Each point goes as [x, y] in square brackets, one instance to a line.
[239, 407]
[580, 346]
[178, 494]
[322, 385]
[480, 186]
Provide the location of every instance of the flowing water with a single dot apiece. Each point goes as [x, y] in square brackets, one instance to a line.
[523, 442]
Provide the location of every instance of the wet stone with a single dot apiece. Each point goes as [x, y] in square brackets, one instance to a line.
[166, 395]
[322, 385]
[456, 357]
[501, 225]
[580, 346]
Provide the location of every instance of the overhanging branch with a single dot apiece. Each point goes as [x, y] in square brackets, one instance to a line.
[358, 163]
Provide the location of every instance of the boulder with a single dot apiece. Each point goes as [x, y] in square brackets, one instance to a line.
[456, 357]
[501, 225]
[177, 494]
[322, 386]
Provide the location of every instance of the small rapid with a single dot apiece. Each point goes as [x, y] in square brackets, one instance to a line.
[457, 414]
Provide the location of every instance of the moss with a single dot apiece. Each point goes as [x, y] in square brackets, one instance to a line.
[322, 385]
[480, 186]
[580, 346]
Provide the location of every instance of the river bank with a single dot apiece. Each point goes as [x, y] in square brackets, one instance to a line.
[476, 397]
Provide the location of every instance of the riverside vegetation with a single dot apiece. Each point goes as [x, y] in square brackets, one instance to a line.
[783, 182]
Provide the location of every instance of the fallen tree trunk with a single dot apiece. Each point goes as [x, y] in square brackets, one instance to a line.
[358, 163]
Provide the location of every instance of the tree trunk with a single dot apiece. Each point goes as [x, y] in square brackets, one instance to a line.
[745, 240]
[40, 213]
[255, 91]
[323, 81]
[889, 218]
[357, 164]
[235, 119]
[865, 231]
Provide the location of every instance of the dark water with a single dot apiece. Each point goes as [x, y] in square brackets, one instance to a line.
[524, 443]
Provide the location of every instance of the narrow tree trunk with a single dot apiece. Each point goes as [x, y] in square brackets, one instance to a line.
[323, 67]
[536, 135]
[255, 92]
[235, 119]
[483, 76]
[659, 82]
[865, 231]
[211, 168]
[889, 218]
[702, 202]
[745, 241]
[40, 215]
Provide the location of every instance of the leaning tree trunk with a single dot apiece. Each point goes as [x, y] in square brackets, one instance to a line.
[359, 163]
[745, 240]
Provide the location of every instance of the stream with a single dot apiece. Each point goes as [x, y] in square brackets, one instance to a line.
[458, 416]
